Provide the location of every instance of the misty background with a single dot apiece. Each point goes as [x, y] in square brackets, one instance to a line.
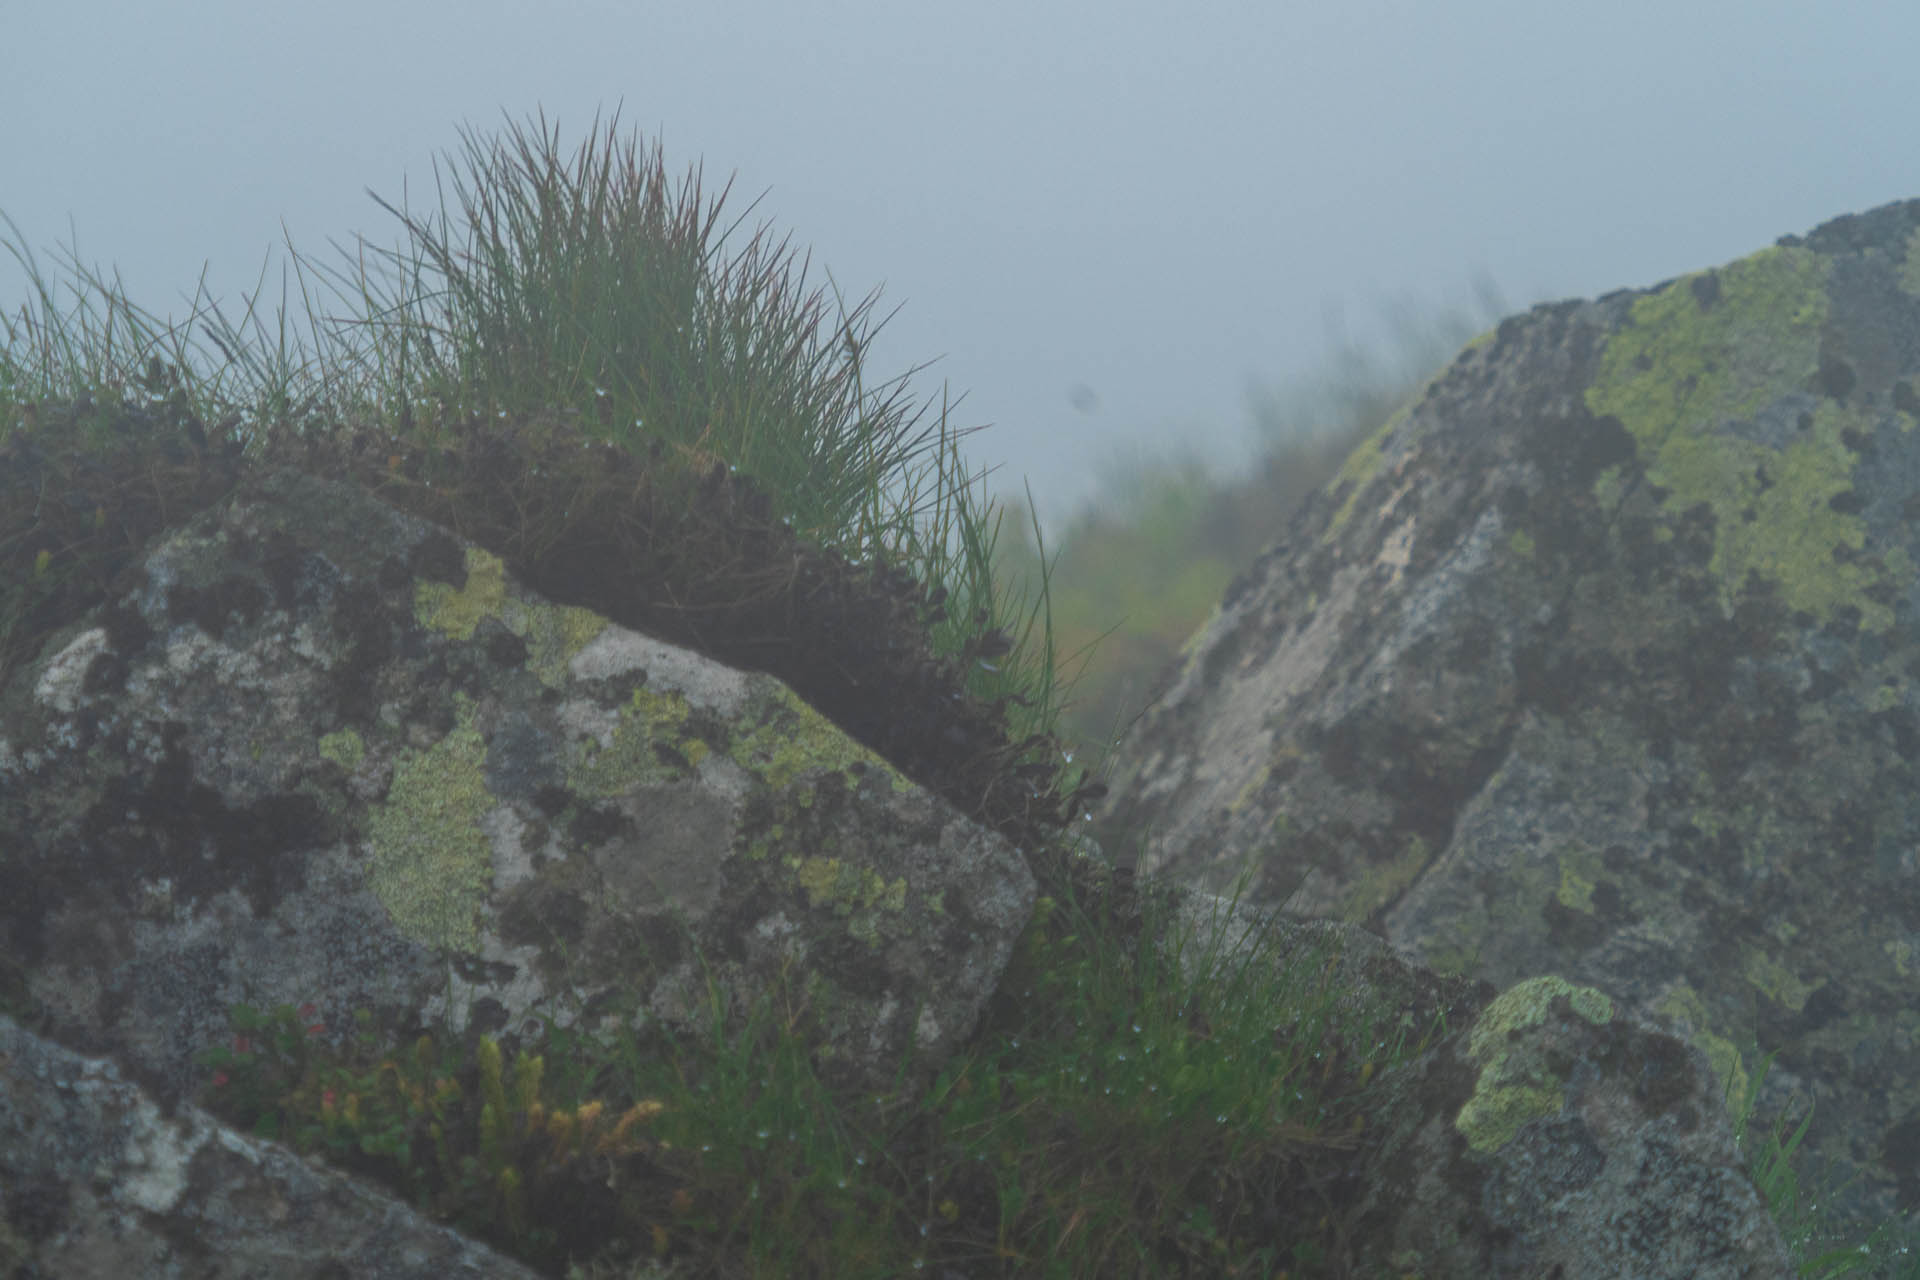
[1116, 228]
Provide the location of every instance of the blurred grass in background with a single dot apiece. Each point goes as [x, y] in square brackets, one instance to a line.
[1140, 567]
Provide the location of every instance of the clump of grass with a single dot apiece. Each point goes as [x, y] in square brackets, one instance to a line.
[1159, 1107]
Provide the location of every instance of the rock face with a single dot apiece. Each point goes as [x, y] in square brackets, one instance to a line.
[319, 748]
[1603, 661]
[97, 1181]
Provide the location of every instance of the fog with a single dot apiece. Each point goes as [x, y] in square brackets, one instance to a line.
[1106, 221]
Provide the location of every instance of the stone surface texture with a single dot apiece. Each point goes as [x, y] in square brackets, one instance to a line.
[1549, 1134]
[97, 1180]
[1599, 662]
[322, 753]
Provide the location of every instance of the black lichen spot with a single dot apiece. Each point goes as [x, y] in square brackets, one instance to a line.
[281, 565]
[552, 800]
[438, 558]
[1900, 1156]
[1836, 377]
[539, 914]
[505, 649]
[597, 826]
[211, 608]
[1666, 1079]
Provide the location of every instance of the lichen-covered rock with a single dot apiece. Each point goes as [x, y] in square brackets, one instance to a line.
[316, 751]
[1545, 1132]
[1600, 661]
[97, 1179]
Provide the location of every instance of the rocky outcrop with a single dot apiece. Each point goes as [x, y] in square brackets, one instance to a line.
[318, 749]
[1599, 662]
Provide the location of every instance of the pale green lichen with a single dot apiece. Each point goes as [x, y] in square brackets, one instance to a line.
[1580, 872]
[432, 864]
[1684, 1004]
[553, 633]
[858, 893]
[1359, 469]
[648, 718]
[1682, 371]
[779, 752]
[458, 612]
[1773, 979]
[343, 748]
[1379, 885]
[1515, 1087]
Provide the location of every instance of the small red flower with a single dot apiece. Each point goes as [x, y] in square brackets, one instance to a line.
[316, 1028]
[242, 1045]
[219, 1079]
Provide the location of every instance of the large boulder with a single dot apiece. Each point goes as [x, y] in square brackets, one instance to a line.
[1602, 661]
[319, 752]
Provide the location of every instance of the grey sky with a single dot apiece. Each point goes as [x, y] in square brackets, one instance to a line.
[1155, 202]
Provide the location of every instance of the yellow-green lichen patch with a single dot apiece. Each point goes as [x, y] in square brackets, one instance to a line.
[1516, 1087]
[647, 719]
[1773, 979]
[343, 748]
[1383, 884]
[1684, 369]
[1580, 870]
[1684, 1005]
[1520, 542]
[553, 633]
[1359, 468]
[438, 605]
[789, 737]
[432, 865]
[858, 893]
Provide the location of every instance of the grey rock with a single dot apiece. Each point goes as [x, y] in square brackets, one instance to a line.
[96, 1179]
[1598, 662]
[320, 752]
